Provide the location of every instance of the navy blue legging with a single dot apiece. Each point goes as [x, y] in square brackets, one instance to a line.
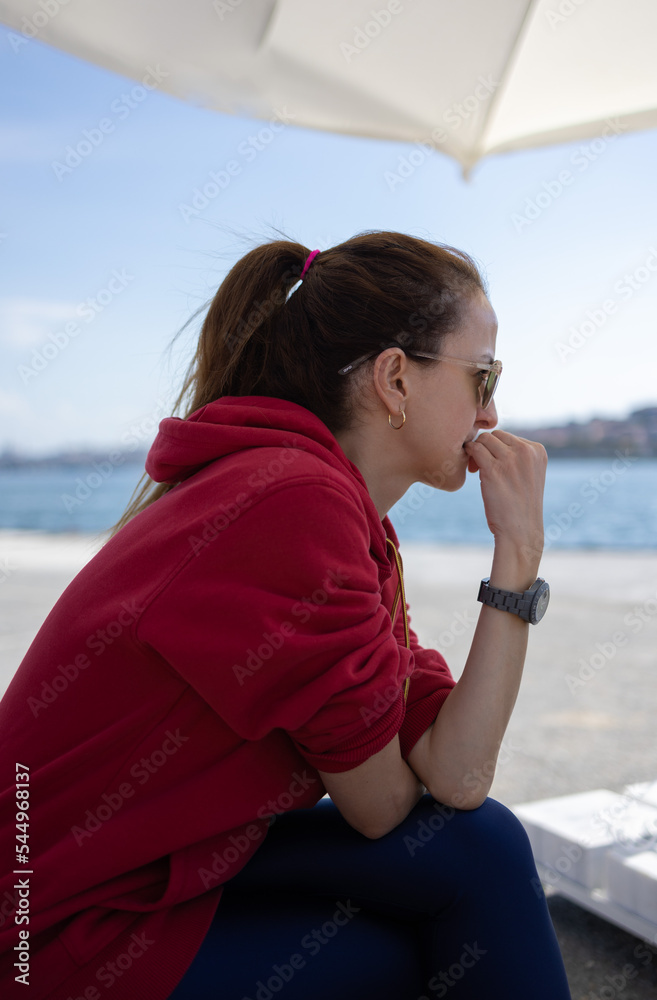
[448, 904]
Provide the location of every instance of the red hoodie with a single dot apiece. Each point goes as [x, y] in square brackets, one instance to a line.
[229, 642]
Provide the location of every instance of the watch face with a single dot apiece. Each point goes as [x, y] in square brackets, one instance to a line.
[540, 603]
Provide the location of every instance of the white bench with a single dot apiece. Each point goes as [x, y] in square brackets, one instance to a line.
[599, 849]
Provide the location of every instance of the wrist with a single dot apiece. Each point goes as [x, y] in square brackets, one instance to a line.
[514, 567]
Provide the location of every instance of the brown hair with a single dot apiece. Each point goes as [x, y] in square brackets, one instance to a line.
[368, 293]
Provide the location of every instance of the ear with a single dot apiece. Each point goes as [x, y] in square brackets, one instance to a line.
[391, 378]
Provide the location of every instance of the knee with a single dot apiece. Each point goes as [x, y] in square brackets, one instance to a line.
[488, 836]
[463, 853]
[496, 820]
[495, 834]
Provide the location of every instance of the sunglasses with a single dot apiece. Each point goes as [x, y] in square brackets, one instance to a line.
[488, 384]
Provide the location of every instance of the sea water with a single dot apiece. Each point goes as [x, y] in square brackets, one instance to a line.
[589, 503]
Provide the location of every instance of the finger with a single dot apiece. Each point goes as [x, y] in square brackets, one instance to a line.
[506, 436]
[479, 455]
[502, 444]
[510, 438]
[493, 445]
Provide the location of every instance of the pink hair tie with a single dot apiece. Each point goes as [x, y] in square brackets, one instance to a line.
[309, 260]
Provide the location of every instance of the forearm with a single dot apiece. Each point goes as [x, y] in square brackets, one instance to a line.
[457, 755]
[384, 805]
[410, 791]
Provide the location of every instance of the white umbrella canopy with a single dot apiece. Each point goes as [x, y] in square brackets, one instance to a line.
[468, 77]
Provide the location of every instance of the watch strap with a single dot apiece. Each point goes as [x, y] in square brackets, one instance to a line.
[504, 600]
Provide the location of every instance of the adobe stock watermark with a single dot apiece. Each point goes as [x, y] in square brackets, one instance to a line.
[247, 151]
[303, 610]
[581, 159]
[453, 118]
[97, 642]
[32, 25]
[461, 624]
[224, 7]
[8, 906]
[115, 968]
[260, 311]
[473, 781]
[591, 490]
[364, 34]
[109, 972]
[612, 821]
[144, 429]
[635, 621]
[625, 288]
[6, 569]
[87, 310]
[415, 498]
[556, 16]
[85, 486]
[286, 800]
[590, 667]
[241, 842]
[606, 820]
[615, 987]
[440, 984]
[310, 945]
[142, 771]
[258, 481]
[381, 703]
[120, 109]
[426, 830]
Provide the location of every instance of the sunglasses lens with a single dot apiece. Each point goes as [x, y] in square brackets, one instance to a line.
[488, 388]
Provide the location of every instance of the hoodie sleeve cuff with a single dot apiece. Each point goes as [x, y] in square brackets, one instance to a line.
[360, 748]
[418, 719]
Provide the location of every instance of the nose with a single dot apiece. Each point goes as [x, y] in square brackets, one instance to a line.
[487, 419]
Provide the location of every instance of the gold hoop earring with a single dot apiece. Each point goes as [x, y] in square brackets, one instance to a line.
[401, 424]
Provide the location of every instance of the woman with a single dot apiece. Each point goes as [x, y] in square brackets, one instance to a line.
[242, 645]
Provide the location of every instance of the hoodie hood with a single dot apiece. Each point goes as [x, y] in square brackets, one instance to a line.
[237, 423]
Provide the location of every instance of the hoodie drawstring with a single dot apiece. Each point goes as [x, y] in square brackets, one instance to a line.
[400, 594]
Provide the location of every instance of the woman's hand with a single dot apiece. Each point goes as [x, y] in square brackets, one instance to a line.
[512, 475]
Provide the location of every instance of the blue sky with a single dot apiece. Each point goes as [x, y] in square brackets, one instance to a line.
[103, 258]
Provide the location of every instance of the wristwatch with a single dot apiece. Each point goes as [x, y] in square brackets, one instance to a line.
[530, 605]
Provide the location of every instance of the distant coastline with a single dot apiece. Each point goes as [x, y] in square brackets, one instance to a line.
[599, 437]
[75, 458]
[635, 435]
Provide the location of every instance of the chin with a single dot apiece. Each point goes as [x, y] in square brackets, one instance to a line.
[453, 484]
[448, 482]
